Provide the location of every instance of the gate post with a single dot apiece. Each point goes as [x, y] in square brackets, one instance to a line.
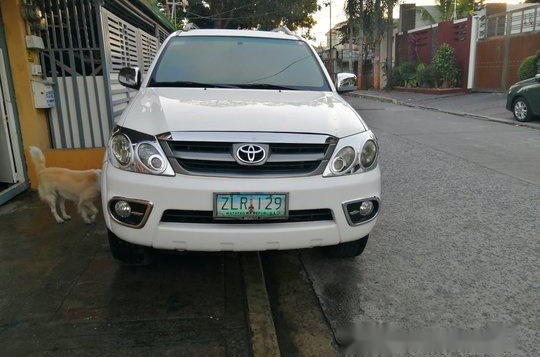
[506, 54]
[103, 46]
[472, 52]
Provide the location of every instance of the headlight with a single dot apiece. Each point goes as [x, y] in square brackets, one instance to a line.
[353, 154]
[150, 157]
[343, 160]
[368, 154]
[130, 150]
[121, 149]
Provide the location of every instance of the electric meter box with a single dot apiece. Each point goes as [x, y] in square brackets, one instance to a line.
[43, 94]
[34, 42]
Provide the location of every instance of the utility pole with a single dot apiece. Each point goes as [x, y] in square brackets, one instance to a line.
[350, 45]
[173, 3]
[360, 43]
[389, 41]
[329, 4]
[455, 14]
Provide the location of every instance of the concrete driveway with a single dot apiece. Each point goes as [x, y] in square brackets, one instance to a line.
[62, 294]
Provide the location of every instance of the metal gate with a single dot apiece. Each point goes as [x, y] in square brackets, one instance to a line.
[85, 46]
[72, 60]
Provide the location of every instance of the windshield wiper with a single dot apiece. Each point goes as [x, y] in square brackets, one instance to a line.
[264, 86]
[189, 84]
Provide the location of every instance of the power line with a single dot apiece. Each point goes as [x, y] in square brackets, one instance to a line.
[213, 16]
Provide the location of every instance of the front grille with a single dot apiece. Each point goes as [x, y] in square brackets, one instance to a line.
[232, 167]
[186, 216]
[216, 158]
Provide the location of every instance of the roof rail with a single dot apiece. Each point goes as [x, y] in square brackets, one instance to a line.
[285, 30]
[190, 26]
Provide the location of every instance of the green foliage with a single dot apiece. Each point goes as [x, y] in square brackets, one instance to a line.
[445, 64]
[529, 67]
[445, 10]
[368, 16]
[264, 15]
[422, 75]
[427, 76]
[405, 75]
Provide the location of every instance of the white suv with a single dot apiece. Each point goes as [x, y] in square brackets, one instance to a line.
[238, 140]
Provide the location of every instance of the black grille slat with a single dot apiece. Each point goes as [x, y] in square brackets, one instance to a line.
[206, 147]
[232, 167]
[189, 216]
[298, 148]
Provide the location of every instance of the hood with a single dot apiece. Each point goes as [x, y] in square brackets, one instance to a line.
[159, 110]
[524, 82]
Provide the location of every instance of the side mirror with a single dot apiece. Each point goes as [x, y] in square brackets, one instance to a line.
[346, 82]
[537, 77]
[130, 77]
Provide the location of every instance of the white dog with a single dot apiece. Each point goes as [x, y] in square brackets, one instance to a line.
[57, 184]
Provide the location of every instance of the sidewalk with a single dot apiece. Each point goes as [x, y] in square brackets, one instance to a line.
[486, 106]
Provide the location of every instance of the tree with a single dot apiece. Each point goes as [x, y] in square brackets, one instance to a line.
[367, 21]
[260, 14]
[445, 10]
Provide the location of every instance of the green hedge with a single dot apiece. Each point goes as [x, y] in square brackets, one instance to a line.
[445, 64]
[529, 67]
[442, 72]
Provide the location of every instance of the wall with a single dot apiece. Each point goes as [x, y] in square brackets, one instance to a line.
[33, 122]
[419, 46]
[77, 159]
[490, 56]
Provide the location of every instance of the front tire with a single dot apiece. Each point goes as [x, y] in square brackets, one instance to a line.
[129, 253]
[521, 110]
[348, 249]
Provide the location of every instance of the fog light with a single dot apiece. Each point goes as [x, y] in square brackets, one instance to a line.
[122, 209]
[361, 211]
[365, 208]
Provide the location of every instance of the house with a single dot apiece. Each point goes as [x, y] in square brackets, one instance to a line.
[341, 52]
[59, 61]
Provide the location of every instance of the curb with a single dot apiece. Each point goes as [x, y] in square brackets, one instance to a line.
[263, 333]
[463, 114]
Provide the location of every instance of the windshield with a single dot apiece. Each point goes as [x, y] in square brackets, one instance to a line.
[238, 62]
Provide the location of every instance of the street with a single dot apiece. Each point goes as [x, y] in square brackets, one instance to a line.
[454, 251]
[456, 243]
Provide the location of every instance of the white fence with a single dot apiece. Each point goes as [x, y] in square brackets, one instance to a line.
[94, 124]
[524, 19]
[124, 45]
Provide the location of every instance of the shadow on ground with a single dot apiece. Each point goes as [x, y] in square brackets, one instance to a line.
[64, 294]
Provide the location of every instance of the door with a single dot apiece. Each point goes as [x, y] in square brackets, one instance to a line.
[8, 172]
[533, 96]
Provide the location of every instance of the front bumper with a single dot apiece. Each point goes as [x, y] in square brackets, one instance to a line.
[196, 193]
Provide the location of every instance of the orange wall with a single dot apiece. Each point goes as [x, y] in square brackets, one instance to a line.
[75, 159]
[32, 121]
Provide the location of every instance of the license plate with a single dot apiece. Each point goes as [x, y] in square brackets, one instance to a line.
[250, 206]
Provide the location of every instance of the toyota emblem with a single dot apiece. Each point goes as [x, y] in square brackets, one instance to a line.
[251, 154]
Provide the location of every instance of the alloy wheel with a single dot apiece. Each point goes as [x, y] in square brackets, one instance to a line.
[520, 110]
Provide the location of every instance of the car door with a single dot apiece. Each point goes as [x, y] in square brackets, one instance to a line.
[533, 96]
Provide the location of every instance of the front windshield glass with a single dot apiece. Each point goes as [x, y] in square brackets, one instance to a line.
[238, 62]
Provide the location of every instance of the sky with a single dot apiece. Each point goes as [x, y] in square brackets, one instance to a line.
[338, 14]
